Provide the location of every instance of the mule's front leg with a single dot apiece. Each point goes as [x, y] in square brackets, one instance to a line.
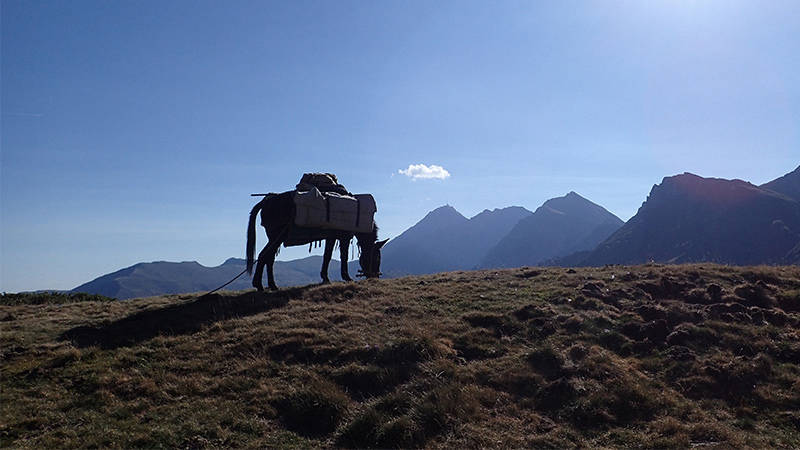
[326, 260]
[344, 250]
[271, 274]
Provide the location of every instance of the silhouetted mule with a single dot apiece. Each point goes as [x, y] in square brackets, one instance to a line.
[277, 218]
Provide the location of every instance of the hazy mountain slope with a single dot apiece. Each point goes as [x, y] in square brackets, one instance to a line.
[486, 229]
[426, 247]
[788, 185]
[559, 227]
[689, 218]
[446, 240]
[159, 278]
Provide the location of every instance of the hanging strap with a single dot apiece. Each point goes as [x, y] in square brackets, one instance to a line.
[327, 209]
[358, 211]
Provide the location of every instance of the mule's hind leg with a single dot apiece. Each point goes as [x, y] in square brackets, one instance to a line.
[326, 260]
[344, 249]
[259, 272]
[266, 257]
[270, 262]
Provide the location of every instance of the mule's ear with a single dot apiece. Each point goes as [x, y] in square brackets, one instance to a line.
[380, 244]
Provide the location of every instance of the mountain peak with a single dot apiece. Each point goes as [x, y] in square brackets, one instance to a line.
[445, 207]
[688, 178]
[693, 187]
[575, 205]
[561, 226]
[509, 210]
[445, 212]
[571, 196]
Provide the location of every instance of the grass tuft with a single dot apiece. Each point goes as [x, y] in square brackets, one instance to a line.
[314, 409]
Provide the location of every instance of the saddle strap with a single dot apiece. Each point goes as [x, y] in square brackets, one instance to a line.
[358, 211]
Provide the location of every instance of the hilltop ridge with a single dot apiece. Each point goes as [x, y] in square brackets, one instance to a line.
[163, 277]
[674, 356]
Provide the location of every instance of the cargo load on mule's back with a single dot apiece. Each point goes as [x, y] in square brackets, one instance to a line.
[321, 202]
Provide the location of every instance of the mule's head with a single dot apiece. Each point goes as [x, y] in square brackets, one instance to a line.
[370, 259]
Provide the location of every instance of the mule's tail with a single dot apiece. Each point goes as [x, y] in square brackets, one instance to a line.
[251, 235]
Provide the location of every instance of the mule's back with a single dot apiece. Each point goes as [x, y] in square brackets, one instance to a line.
[277, 210]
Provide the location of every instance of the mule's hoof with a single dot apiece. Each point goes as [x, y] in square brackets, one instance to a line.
[326, 281]
[273, 287]
[347, 278]
[259, 287]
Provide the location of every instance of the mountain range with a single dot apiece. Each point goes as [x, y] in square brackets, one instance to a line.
[685, 218]
[445, 240]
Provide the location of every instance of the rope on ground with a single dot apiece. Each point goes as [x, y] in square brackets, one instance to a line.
[229, 282]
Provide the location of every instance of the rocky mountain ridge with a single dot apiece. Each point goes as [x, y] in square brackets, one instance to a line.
[688, 218]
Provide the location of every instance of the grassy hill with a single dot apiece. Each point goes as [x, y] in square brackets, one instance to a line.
[653, 356]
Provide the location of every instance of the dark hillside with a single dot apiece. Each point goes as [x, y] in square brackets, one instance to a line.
[788, 185]
[688, 218]
[655, 356]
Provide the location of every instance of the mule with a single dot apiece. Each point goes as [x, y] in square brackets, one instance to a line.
[277, 218]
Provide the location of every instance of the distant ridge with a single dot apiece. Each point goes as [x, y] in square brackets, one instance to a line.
[162, 277]
[559, 227]
[688, 218]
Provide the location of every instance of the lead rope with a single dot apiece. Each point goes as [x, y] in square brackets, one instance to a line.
[229, 282]
[285, 229]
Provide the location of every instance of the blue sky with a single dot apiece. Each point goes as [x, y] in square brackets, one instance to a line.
[135, 130]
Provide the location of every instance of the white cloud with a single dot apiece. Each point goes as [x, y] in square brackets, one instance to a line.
[421, 171]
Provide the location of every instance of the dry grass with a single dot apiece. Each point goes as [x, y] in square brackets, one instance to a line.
[645, 356]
